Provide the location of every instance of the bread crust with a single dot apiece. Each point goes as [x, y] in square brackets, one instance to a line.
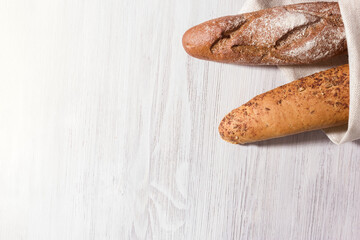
[314, 102]
[294, 34]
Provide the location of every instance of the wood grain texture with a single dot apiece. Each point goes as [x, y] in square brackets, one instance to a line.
[109, 131]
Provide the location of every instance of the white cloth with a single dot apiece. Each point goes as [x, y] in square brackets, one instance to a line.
[350, 11]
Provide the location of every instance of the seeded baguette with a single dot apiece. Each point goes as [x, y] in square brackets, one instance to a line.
[314, 102]
[294, 34]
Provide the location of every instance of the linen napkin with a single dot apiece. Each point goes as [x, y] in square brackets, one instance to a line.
[350, 11]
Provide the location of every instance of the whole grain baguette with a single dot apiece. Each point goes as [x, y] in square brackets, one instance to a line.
[294, 34]
[314, 102]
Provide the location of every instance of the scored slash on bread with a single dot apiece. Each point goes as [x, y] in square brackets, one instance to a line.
[314, 102]
[294, 34]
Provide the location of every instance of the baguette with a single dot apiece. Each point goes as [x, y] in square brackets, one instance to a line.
[295, 34]
[314, 102]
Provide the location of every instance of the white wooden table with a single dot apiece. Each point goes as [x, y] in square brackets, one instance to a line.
[109, 131]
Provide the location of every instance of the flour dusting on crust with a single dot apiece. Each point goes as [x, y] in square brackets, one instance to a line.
[293, 34]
